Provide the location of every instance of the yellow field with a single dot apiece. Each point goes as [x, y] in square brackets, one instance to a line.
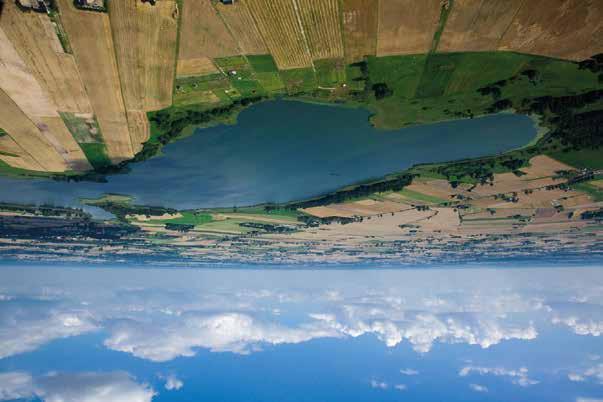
[57, 134]
[239, 21]
[321, 22]
[15, 156]
[37, 43]
[193, 67]
[203, 33]
[20, 84]
[281, 28]
[477, 25]
[25, 133]
[139, 128]
[359, 19]
[90, 37]
[569, 29]
[145, 45]
[406, 26]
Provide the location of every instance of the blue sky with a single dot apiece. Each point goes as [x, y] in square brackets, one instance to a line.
[69, 334]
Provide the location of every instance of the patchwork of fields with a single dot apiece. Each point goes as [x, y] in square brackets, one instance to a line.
[76, 85]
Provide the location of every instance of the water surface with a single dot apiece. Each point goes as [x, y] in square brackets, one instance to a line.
[281, 151]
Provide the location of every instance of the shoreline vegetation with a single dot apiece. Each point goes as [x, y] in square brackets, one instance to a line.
[565, 101]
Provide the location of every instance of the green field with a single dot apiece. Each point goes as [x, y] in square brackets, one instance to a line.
[585, 158]
[595, 192]
[267, 73]
[188, 218]
[212, 89]
[241, 75]
[299, 80]
[413, 195]
[330, 73]
[86, 133]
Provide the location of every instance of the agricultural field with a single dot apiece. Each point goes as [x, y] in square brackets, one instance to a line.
[194, 67]
[359, 22]
[407, 26]
[38, 45]
[266, 72]
[203, 33]
[145, 45]
[584, 159]
[29, 138]
[241, 75]
[322, 26]
[14, 155]
[242, 26]
[208, 89]
[568, 29]
[330, 73]
[95, 57]
[86, 133]
[477, 25]
[281, 28]
[299, 80]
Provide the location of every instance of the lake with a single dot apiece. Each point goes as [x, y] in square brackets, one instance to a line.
[282, 151]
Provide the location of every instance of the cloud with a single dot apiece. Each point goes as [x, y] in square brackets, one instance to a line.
[518, 377]
[379, 384]
[401, 387]
[15, 385]
[594, 373]
[229, 332]
[478, 388]
[172, 383]
[78, 387]
[580, 399]
[408, 371]
[580, 326]
[27, 327]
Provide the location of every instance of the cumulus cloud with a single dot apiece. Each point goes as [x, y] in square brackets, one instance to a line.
[379, 384]
[478, 388]
[25, 328]
[594, 373]
[518, 377]
[78, 387]
[580, 326]
[230, 332]
[172, 383]
[408, 371]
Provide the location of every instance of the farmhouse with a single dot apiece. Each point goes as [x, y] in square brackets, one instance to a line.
[227, 1]
[94, 5]
[36, 5]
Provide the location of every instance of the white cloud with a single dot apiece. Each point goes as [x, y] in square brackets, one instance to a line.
[409, 371]
[25, 328]
[593, 373]
[401, 387]
[15, 385]
[478, 388]
[80, 387]
[579, 399]
[518, 377]
[379, 384]
[172, 383]
[580, 326]
[229, 332]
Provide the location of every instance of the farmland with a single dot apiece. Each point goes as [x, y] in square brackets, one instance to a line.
[240, 23]
[359, 21]
[321, 22]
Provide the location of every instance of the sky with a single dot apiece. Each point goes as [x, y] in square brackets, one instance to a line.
[455, 334]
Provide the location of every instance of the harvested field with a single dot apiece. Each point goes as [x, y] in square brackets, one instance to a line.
[280, 25]
[25, 133]
[203, 33]
[36, 42]
[568, 29]
[57, 134]
[359, 19]
[407, 26]
[138, 124]
[194, 67]
[239, 21]
[322, 25]
[20, 84]
[477, 25]
[14, 155]
[90, 37]
[145, 45]
[543, 166]
[356, 208]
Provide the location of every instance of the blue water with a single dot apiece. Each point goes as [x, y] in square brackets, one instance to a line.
[281, 151]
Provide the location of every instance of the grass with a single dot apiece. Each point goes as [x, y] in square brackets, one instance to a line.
[413, 195]
[584, 158]
[330, 73]
[188, 218]
[444, 13]
[266, 72]
[241, 75]
[211, 90]
[596, 193]
[61, 34]
[299, 80]
[96, 153]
